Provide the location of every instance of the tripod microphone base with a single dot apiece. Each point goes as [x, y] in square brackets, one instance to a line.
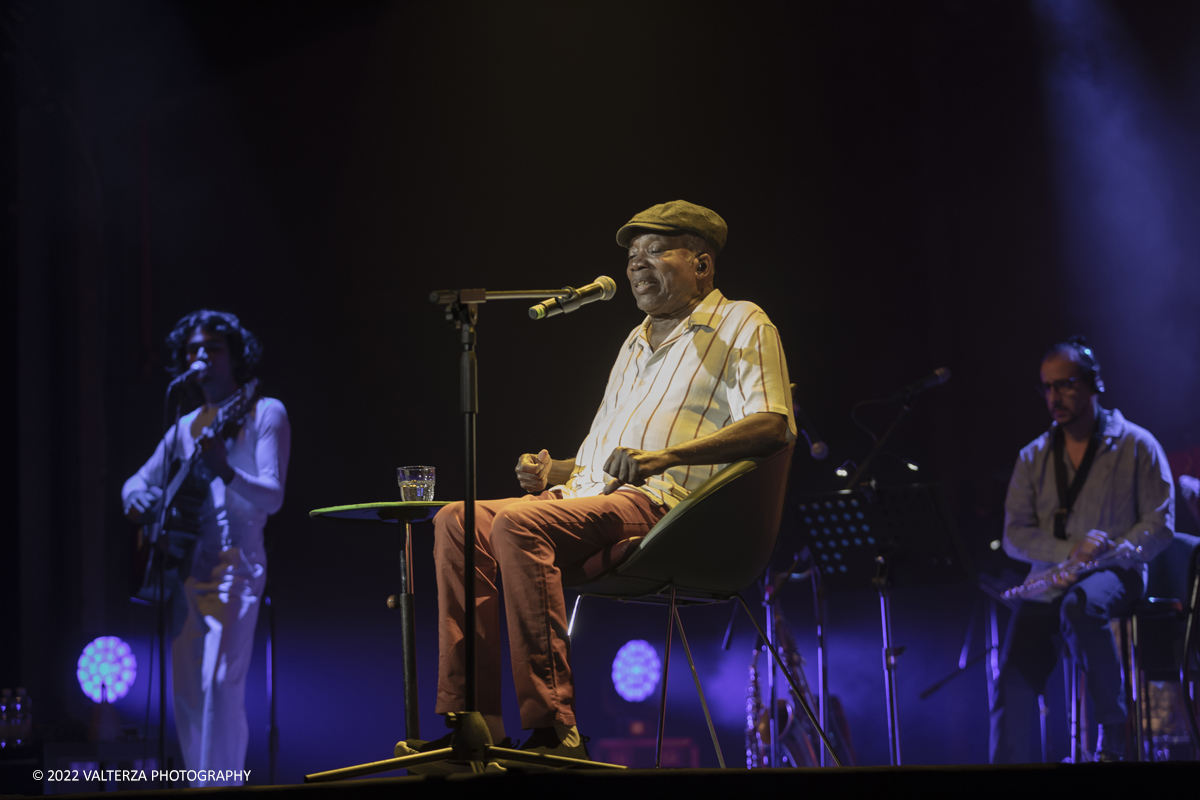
[470, 744]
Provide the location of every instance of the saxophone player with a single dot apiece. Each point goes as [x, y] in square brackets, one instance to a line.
[1090, 483]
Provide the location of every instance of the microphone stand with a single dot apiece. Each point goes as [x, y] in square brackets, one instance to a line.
[160, 570]
[462, 309]
[882, 582]
[471, 740]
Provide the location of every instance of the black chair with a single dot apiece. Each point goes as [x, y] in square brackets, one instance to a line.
[1156, 633]
[1189, 666]
[1153, 636]
[707, 549]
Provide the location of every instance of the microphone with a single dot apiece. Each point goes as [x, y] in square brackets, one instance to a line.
[938, 376]
[603, 288]
[816, 447]
[196, 372]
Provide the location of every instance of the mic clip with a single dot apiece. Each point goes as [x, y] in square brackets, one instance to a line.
[570, 302]
[560, 304]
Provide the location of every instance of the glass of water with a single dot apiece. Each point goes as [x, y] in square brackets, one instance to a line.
[416, 483]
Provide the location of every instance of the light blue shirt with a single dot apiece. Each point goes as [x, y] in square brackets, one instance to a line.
[1128, 494]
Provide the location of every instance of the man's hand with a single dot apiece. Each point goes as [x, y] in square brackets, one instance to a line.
[629, 466]
[533, 471]
[141, 503]
[214, 456]
[1096, 543]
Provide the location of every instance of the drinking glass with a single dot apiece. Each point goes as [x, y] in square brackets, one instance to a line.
[416, 483]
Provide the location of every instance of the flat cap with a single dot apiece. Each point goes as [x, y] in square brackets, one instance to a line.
[676, 217]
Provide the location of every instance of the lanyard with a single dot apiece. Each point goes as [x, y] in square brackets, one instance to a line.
[1067, 495]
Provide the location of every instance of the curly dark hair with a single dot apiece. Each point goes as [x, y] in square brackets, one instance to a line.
[244, 349]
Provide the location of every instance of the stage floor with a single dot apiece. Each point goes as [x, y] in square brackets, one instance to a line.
[967, 783]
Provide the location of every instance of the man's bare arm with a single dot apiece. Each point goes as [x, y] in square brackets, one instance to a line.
[536, 471]
[757, 435]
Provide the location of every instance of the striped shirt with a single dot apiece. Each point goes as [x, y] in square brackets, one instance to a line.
[720, 365]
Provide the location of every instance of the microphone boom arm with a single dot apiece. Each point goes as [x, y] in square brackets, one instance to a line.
[452, 296]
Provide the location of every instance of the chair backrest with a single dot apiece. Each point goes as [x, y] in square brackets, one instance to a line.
[1169, 573]
[1170, 576]
[717, 541]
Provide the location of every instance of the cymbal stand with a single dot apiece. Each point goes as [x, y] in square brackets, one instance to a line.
[882, 584]
[822, 657]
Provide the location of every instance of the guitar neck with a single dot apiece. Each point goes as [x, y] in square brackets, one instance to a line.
[232, 411]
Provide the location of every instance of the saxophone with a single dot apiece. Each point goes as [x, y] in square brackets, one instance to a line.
[798, 742]
[1049, 584]
[806, 741]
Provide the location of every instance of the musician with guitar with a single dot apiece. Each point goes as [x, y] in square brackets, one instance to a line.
[1089, 503]
[203, 499]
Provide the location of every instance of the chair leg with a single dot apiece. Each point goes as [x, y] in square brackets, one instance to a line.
[699, 689]
[1187, 685]
[1128, 687]
[662, 703]
[574, 611]
[1067, 694]
[1135, 694]
[1076, 713]
[1145, 743]
[791, 679]
[1042, 720]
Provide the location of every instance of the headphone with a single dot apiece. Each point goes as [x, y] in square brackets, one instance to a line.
[1087, 360]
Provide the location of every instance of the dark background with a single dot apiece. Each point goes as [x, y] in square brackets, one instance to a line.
[907, 186]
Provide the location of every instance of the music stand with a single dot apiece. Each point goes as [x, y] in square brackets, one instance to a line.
[893, 536]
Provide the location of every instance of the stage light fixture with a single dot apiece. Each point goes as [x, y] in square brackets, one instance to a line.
[636, 670]
[106, 669]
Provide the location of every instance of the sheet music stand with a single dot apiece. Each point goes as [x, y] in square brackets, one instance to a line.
[893, 536]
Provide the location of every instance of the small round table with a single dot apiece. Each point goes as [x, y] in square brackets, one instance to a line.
[408, 513]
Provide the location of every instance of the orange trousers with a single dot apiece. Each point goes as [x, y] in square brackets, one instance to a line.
[526, 539]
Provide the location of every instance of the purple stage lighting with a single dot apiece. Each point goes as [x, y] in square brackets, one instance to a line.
[106, 665]
[1128, 180]
[636, 670]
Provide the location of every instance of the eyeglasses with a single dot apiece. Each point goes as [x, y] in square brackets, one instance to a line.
[1064, 386]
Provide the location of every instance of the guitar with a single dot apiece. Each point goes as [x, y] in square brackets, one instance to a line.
[1045, 586]
[168, 547]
